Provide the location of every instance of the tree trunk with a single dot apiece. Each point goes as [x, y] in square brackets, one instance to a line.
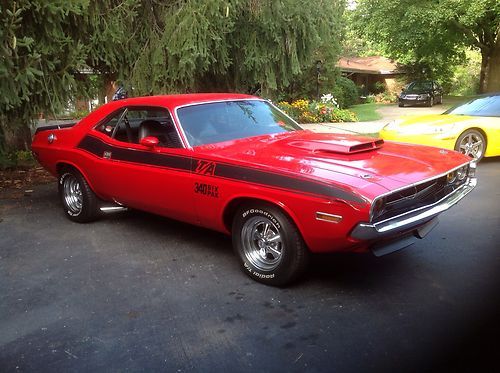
[484, 71]
[15, 137]
[493, 73]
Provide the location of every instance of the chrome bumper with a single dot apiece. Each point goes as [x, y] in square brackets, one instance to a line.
[411, 219]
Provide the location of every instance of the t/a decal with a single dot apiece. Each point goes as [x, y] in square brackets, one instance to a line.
[205, 168]
[207, 190]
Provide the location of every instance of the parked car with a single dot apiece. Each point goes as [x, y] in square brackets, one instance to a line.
[472, 128]
[426, 93]
[238, 165]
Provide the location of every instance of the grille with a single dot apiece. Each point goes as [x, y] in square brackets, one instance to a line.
[414, 197]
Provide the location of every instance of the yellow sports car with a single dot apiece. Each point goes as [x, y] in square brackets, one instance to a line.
[472, 128]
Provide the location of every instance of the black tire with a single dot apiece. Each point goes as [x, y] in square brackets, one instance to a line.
[471, 143]
[400, 104]
[431, 102]
[276, 262]
[80, 204]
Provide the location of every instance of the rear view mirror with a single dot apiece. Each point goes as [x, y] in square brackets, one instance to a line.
[149, 141]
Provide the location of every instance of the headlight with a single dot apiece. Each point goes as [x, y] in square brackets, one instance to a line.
[425, 130]
[424, 96]
[451, 177]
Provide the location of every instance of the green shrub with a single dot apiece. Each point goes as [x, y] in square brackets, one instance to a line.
[21, 158]
[346, 92]
[386, 98]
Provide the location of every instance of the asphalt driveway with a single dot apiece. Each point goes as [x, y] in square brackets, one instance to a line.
[137, 292]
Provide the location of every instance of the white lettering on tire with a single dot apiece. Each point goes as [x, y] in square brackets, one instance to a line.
[264, 213]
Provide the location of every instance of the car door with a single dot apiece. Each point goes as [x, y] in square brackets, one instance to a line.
[151, 178]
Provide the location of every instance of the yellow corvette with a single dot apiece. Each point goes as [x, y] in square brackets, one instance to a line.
[472, 128]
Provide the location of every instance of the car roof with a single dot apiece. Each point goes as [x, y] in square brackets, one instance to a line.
[173, 101]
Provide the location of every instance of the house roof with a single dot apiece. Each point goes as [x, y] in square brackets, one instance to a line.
[368, 65]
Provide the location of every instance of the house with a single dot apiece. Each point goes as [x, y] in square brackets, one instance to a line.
[372, 73]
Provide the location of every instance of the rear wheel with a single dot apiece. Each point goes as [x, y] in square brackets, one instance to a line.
[268, 245]
[79, 201]
[471, 143]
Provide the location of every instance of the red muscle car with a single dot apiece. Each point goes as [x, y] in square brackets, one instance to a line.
[237, 164]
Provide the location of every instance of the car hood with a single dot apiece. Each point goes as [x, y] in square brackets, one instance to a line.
[434, 123]
[434, 120]
[363, 165]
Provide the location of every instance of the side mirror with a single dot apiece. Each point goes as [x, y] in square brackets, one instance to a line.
[149, 141]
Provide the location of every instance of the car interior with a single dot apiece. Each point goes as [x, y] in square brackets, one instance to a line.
[132, 125]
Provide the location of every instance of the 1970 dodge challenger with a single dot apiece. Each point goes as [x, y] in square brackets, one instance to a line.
[236, 164]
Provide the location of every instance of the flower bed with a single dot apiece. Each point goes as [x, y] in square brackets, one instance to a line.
[324, 111]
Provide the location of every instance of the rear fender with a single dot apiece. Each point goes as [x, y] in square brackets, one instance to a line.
[62, 164]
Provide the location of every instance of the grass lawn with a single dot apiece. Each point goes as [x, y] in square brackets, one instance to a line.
[366, 112]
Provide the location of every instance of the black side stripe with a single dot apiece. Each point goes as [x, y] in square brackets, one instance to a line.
[98, 147]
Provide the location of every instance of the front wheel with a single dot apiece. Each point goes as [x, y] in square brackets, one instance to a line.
[79, 201]
[471, 143]
[268, 245]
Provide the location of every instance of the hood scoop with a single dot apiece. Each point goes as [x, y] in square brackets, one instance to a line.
[340, 145]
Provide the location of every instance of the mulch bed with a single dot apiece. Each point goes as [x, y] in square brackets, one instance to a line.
[17, 183]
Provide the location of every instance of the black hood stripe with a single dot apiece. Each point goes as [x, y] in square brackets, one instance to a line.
[228, 171]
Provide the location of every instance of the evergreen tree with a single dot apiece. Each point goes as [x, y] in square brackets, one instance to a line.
[49, 48]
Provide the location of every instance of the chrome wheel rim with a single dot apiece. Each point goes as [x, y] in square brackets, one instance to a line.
[72, 194]
[472, 145]
[262, 243]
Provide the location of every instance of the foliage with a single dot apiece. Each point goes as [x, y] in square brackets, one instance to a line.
[465, 79]
[16, 159]
[40, 52]
[51, 51]
[431, 36]
[242, 45]
[354, 42]
[345, 91]
[305, 111]
[386, 98]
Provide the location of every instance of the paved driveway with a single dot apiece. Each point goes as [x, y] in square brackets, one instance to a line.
[137, 292]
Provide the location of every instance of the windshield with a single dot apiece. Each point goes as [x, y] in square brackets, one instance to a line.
[419, 86]
[230, 120]
[484, 106]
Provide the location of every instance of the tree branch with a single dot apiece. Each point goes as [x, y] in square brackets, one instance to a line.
[470, 35]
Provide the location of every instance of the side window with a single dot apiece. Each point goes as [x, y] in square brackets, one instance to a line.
[133, 123]
[110, 124]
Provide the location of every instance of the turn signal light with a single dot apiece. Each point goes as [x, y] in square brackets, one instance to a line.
[328, 217]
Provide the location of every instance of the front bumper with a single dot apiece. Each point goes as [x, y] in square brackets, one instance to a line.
[414, 101]
[411, 220]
